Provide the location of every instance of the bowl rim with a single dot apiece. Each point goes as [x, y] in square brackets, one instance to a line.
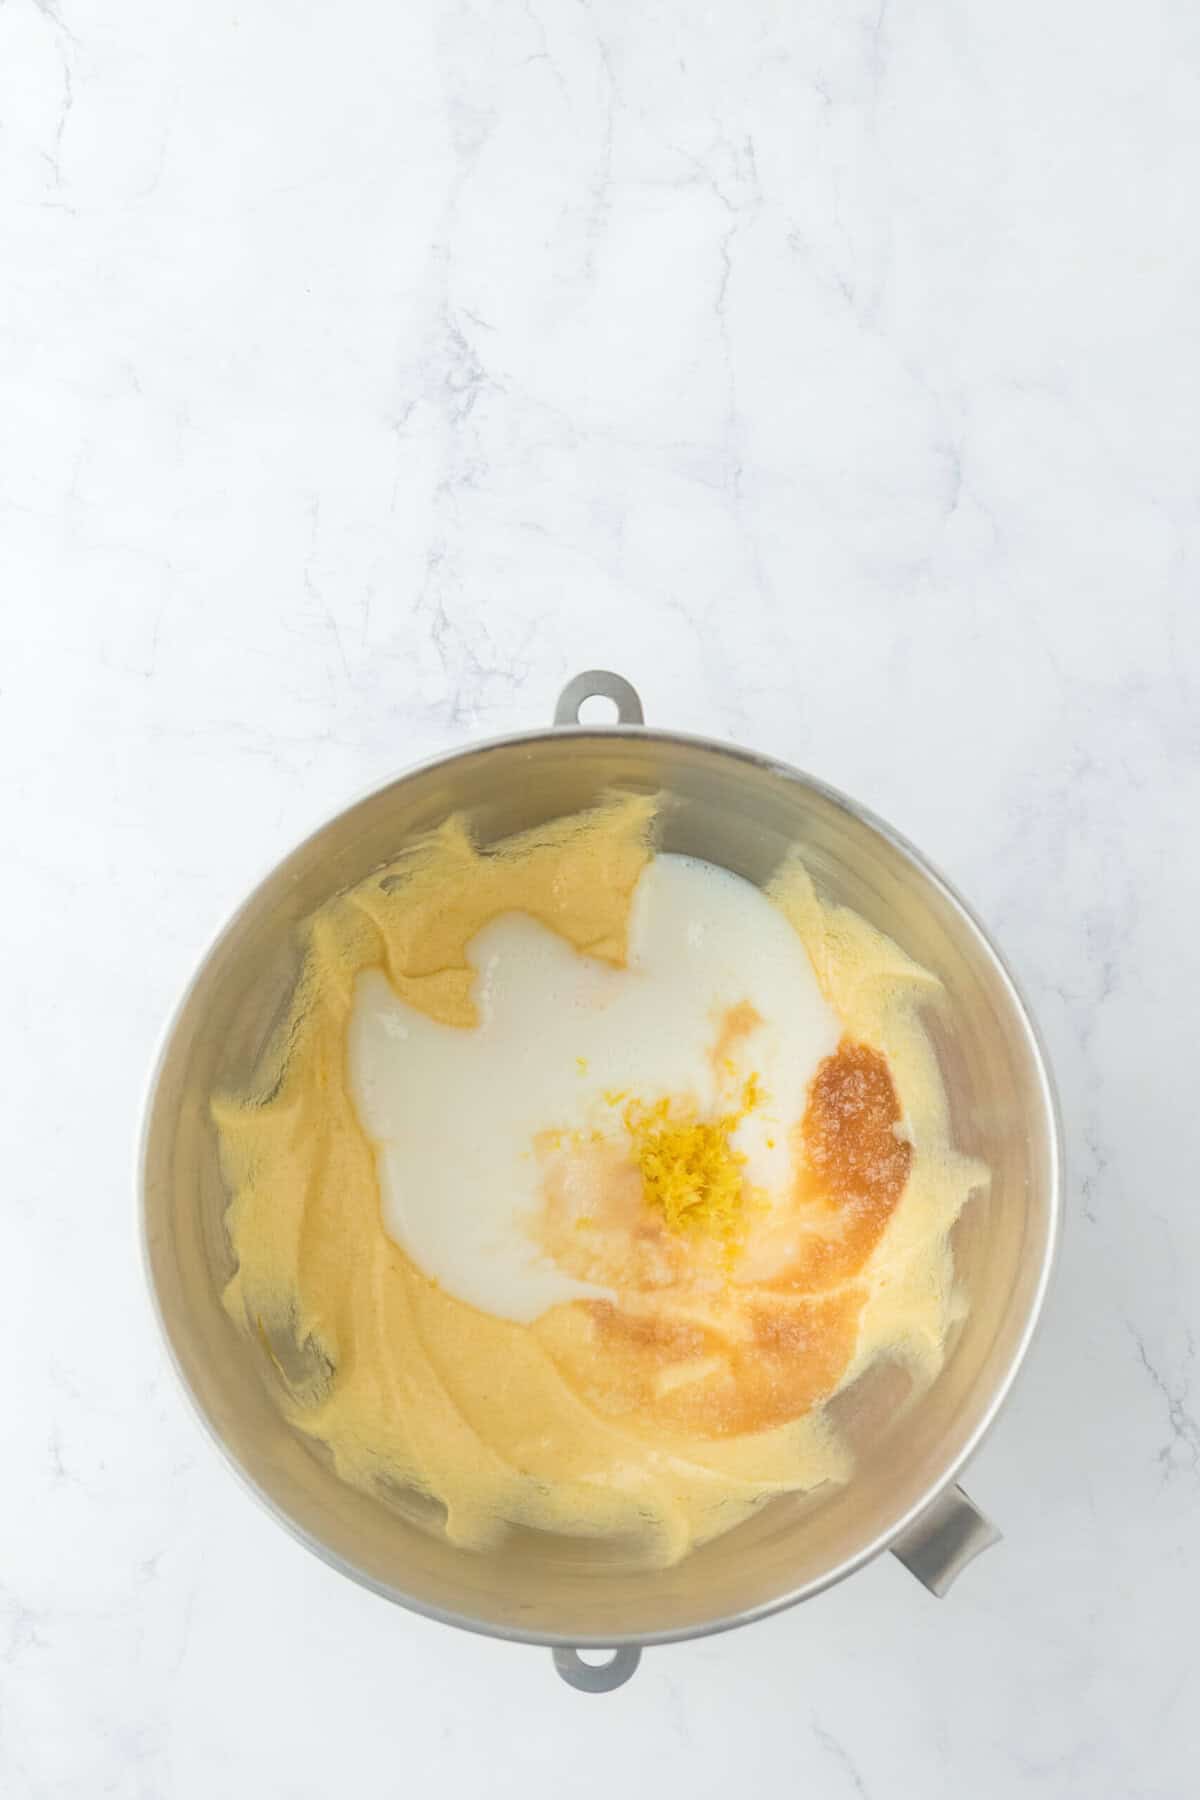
[883, 1540]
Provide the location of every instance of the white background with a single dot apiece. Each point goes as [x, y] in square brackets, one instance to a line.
[833, 370]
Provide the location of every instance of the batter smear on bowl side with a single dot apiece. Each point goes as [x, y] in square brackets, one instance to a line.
[580, 1178]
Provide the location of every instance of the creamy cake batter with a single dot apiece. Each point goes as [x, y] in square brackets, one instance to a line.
[580, 1178]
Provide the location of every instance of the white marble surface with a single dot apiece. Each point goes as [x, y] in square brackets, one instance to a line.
[831, 369]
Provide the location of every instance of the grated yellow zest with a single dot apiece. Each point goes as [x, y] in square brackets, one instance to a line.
[690, 1171]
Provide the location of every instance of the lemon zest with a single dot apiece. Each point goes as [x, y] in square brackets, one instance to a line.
[691, 1172]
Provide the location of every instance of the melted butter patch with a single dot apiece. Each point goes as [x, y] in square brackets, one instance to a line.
[737, 1023]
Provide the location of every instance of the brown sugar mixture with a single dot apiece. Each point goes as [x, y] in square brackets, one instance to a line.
[746, 1357]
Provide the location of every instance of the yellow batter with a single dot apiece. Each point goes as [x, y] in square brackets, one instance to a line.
[591, 1420]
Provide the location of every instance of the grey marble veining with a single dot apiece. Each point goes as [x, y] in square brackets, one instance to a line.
[831, 370]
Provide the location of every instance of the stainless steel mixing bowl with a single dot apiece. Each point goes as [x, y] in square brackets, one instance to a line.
[746, 812]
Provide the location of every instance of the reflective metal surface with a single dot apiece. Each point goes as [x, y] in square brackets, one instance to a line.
[949, 1534]
[599, 684]
[747, 813]
[598, 1678]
